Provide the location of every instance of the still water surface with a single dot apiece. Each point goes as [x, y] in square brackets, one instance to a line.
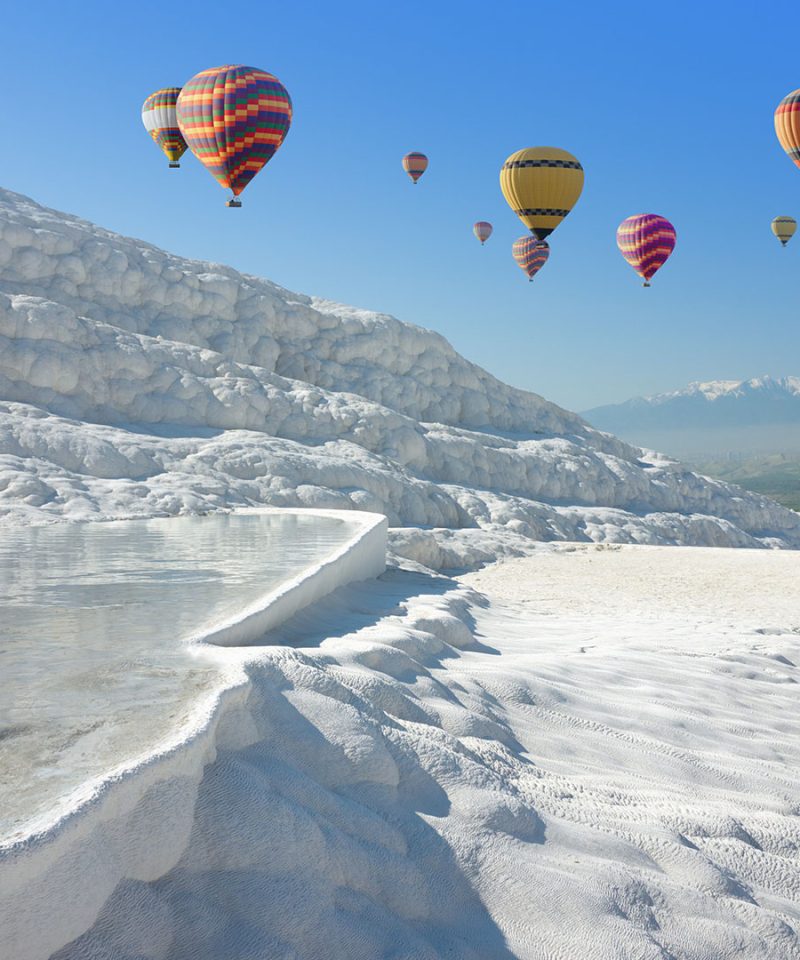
[94, 617]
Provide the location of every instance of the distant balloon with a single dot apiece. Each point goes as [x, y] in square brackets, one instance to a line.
[161, 122]
[234, 118]
[646, 241]
[541, 185]
[784, 228]
[482, 230]
[531, 254]
[787, 124]
[415, 164]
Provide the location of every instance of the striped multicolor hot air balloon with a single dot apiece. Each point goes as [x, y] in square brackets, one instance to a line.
[161, 122]
[646, 241]
[234, 118]
[541, 185]
[531, 254]
[787, 124]
[482, 230]
[784, 228]
[415, 164]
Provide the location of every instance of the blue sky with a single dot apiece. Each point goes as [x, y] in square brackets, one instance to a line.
[668, 106]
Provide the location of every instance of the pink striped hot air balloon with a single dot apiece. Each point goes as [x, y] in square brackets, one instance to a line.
[415, 164]
[531, 254]
[482, 230]
[646, 241]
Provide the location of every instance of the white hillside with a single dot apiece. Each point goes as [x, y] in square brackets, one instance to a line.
[133, 383]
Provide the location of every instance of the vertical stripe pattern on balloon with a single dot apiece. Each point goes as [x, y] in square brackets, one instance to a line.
[646, 241]
[787, 125]
[234, 118]
[159, 117]
[482, 230]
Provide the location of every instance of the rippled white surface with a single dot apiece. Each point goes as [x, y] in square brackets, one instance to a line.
[94, 620]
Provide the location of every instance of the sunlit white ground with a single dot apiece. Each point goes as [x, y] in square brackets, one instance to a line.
[589, 754]
[654, 692]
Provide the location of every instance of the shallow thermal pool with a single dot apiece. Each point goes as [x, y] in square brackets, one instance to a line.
[94, 624]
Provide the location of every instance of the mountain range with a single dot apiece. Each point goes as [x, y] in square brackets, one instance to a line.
[710, 418]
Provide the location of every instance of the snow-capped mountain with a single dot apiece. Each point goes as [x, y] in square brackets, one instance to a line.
[137, 383]
[714, 403]
[761, 415]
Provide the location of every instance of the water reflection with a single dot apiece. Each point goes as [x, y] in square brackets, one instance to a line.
[93, 619]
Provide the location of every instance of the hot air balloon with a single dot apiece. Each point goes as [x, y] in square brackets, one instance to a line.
[784, 228]
[646, 241]
[531, 254]
[482, 230]
[415, 164]
[161, 122]
[541, 185]
[234, 118]
[787, 125]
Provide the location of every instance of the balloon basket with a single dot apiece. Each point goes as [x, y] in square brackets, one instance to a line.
[233, 203]
[173, 164]
[645, 284]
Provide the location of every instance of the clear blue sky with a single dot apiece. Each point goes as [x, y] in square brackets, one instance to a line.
[668, 106]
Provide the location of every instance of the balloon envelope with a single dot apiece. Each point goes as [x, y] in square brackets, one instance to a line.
[531, 254]
[784, 228]
[541, 185]
[415, 164]
[646, 241]
[787, 124]
[482, 230]
[161, 122]
[234, 118]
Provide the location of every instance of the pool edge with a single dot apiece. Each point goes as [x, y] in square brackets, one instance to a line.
[361, 557]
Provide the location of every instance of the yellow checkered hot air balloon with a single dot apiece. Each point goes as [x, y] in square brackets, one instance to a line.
[784, 228]
[541, 185]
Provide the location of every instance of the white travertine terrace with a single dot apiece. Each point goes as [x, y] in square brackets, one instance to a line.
[137, 383]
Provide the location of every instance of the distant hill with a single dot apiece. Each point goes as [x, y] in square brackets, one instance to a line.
[759, 416]
[776, 476]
